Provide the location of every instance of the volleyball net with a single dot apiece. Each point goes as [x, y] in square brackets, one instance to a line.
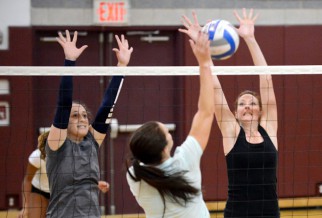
[160, 71]
[169, 95]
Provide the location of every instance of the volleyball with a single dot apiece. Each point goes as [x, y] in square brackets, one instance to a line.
[224, 39]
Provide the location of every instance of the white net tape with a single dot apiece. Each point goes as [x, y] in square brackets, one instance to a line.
[155, 71]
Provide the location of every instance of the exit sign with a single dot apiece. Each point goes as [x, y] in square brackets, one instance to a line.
[111, 12]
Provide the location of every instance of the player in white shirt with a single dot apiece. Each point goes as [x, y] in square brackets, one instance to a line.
[35, 185]
[170, 186]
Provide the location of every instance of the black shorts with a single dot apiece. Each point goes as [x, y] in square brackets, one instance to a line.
[38, 191]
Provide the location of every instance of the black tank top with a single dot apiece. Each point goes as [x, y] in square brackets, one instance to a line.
[252, 178]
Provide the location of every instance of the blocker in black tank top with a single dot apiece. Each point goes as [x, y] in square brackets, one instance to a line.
[252, 190]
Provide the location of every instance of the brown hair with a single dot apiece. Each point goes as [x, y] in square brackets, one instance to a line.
[42, 139]
[147, 144]
[89, 114]
[255, 94]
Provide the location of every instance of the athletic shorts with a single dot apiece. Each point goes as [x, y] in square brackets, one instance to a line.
[38, 191]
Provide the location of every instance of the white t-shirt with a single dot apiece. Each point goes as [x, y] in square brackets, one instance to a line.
[40, 180]
[186, 157]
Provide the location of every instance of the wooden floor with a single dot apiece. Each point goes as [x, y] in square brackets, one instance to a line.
[303, 213]
[311, 213]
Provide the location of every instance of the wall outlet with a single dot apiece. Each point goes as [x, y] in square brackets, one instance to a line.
[12, 201]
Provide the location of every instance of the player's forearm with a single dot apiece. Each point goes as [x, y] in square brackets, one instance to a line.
[256, 52]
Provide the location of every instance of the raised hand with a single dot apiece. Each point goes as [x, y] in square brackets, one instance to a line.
[192, 29]
[201, 49]
[246, 23]
[123, 52]
[69, 46]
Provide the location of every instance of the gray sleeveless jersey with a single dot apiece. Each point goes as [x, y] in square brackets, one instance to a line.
[73, 174]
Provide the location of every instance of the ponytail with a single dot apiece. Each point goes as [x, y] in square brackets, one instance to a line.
[173, 185]
[147, 144]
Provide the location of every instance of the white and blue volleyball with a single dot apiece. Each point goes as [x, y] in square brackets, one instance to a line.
[224, 39]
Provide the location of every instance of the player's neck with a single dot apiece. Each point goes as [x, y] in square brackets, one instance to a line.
[250, 128]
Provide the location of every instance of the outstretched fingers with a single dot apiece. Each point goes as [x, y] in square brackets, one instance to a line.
[201, 48]
[125, 42]
[186, 21]
[82, 49]
[61, 39]
[124, 51]
[70, 49]
[255, 17]
[67, 36]
[75, 37]
[249, 16]
[195, 18]
[237, 16]
[119, 42]
[191, 28]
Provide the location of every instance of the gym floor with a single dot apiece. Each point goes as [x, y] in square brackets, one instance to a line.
[294, 213]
